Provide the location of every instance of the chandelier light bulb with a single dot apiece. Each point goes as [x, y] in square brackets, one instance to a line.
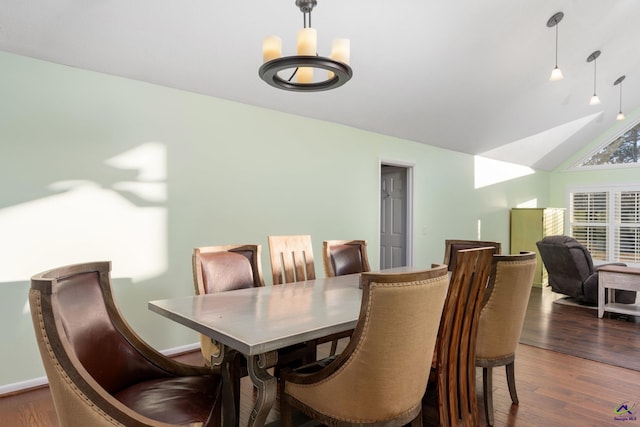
[340, 51]
[271, 48]
[594, 100]
[620, 116]
[556, 74]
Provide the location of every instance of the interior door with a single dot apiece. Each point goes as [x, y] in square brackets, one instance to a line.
[393, 216]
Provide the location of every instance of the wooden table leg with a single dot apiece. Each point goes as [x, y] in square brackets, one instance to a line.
[601, 297]
[265, 383]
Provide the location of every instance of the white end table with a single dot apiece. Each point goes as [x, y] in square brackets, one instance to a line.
[612, 277]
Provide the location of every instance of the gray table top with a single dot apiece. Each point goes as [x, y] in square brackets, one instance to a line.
[257, 320]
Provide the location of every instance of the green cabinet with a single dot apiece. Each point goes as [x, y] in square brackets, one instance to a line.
[528, 225]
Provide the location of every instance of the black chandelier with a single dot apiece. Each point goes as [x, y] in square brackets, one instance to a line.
[306, 61]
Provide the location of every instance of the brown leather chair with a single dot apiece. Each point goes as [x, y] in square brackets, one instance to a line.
[230, 267]
[451, 397]
[501, 320]
[342, 257]
[452, 246]
[224, 268]
[100, 372]
[380, 377]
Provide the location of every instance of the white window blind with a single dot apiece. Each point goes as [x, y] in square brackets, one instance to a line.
[607, 223]
[628, 231]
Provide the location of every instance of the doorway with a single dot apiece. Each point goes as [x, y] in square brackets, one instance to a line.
[396, 195]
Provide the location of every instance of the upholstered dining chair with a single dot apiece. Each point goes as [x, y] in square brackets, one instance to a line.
[451, 397]
[224, 268]
[230, 267]
[101, 373]
[380, 377]
[291, 259]
[452, 246]
[342, 257]
[501, 320]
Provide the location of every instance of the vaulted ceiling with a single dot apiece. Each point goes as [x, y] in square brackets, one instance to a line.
[467, 75]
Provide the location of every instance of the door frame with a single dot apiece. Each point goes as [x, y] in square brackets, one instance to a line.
[408, 166]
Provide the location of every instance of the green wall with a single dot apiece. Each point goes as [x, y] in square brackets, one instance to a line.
[234, 174]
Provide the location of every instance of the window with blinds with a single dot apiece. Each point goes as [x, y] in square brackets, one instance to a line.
[628, 231]
[607, 223]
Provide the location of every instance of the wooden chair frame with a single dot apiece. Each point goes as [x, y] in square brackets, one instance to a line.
[453, 401]
[449, 257]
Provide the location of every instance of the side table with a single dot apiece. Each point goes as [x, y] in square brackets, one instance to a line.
[612, 277]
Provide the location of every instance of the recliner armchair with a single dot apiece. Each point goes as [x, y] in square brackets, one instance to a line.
[571, 270]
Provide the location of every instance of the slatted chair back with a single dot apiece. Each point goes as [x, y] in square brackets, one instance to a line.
[452, 246]
[291, 259]
[454, 364]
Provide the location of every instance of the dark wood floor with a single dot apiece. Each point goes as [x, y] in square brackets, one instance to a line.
[555, 389]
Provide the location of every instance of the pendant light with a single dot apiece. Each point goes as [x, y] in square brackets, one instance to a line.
[618, 82]
[556, 74]
[592, 58]
[303, 66]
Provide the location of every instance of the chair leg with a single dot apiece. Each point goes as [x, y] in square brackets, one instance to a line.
[311, 352]
[487, 392]
[511, 381]
[286, 412]
[229, 393]
[334, 348]
[417, 421]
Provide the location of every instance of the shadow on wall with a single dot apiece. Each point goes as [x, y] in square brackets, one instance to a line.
[82, 221]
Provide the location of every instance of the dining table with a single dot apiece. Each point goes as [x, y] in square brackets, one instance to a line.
[256, 322]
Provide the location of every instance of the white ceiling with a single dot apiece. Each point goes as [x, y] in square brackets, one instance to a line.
[466, 75]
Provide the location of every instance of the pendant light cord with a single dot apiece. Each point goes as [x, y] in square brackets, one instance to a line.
[595, 68]
[556, 44]
[621, 97]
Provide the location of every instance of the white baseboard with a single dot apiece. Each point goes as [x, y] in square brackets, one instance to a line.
[39, 382]
[23, 385]
[182, 349]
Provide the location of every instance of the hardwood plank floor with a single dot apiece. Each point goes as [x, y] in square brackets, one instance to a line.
[555, 389]
[577, 330]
